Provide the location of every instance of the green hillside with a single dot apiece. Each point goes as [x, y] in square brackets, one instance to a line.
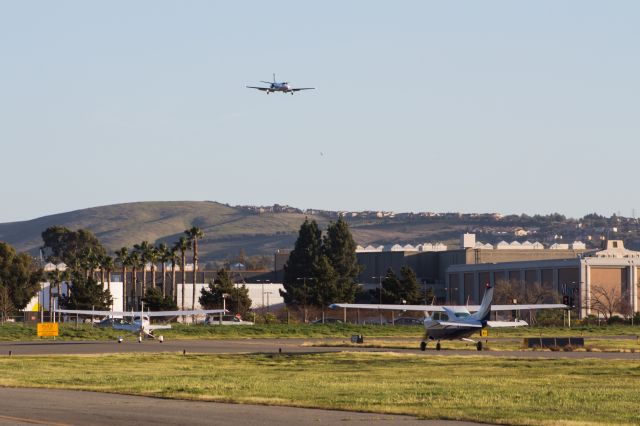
[262, 231]
[227, 229]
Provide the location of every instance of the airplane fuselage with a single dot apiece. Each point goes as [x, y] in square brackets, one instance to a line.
[280, 87]
[449, 333]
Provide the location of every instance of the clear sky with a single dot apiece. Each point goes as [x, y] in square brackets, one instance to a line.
[472, 106]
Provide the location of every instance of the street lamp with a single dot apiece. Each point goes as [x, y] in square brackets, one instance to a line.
[262, 282]
[268, 304]
[225, 296]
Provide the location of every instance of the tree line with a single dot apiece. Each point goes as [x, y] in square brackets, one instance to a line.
[88, 263]
[323, 269]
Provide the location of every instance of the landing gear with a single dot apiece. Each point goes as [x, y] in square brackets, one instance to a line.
[423, 346]
[438, 347]
[479, 346]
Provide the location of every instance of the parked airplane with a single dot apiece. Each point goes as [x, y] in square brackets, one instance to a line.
[283, 87]
[457, 322]
[140, 320]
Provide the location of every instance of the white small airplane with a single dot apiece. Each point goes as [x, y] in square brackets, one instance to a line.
[282, 87]
[140, 320]
[457, 322]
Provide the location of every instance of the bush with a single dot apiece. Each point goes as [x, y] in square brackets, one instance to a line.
[268, 318]
[615, 319]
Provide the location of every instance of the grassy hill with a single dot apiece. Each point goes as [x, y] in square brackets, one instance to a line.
[228, 229]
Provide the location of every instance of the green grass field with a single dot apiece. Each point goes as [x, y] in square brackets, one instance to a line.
[497, 390]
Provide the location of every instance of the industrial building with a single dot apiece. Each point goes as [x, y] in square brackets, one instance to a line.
[458, 276]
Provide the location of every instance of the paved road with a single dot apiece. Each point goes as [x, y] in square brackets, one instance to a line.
[259, 346]
[60, 407]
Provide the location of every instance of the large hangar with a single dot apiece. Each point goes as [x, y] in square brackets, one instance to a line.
[590, 280]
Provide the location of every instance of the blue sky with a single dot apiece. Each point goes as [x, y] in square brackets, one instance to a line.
[493, 106]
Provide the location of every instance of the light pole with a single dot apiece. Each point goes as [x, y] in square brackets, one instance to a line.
[262, 282]
[268, 304]
[224, 301]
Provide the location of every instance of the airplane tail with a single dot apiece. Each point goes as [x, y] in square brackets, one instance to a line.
[484, 313]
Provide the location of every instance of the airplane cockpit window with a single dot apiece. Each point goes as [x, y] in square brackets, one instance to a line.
[462, 314]
[440, 316]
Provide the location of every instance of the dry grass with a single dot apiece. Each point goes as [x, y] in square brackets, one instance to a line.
[496, 390]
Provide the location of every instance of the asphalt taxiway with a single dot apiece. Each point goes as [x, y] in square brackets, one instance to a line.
[20, 406]
[131, 345]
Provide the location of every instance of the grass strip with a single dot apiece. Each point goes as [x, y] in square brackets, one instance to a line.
[482, 389]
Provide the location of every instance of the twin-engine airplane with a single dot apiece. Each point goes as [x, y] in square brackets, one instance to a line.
[140, 323]
[282, 87]
[457, 322]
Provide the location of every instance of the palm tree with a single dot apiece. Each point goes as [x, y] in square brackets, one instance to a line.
[183, 245]
[134, 261]
[194, 234]
[153, 256]
[144, 248]
[173, 253]
[107, 265]
[163, 251]
[122, 257]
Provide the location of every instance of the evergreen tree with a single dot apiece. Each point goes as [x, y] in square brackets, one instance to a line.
[410, 289]
[71, 247]
[19, 277]
[390, 289]
[325, 290]
[155, 301]
[299, 271]
[399, 290]
[340, 248]
[86, 293]
[238, 296]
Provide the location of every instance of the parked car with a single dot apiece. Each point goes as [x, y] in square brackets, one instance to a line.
[226, 320]
[408, 321]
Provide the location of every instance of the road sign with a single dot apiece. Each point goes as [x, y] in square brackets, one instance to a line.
[47, 329]
[484, 332]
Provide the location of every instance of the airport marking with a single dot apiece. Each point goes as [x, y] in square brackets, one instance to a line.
[31, 421]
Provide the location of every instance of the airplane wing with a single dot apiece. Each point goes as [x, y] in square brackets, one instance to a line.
[137, 313]
[518, 323]
[191, 312]
[421, 308]
[264, 89]
[301, 88]
[523, 307]
[454, 308]
[528, 306]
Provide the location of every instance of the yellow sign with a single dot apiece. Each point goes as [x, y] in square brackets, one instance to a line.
[47, 329]
[484, 332]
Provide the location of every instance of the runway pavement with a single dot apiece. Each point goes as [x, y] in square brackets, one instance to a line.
[259, 346]
[60, 407]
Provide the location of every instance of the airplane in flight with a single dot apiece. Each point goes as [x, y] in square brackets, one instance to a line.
[140, 321]
[457, 322]
[283, 87]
